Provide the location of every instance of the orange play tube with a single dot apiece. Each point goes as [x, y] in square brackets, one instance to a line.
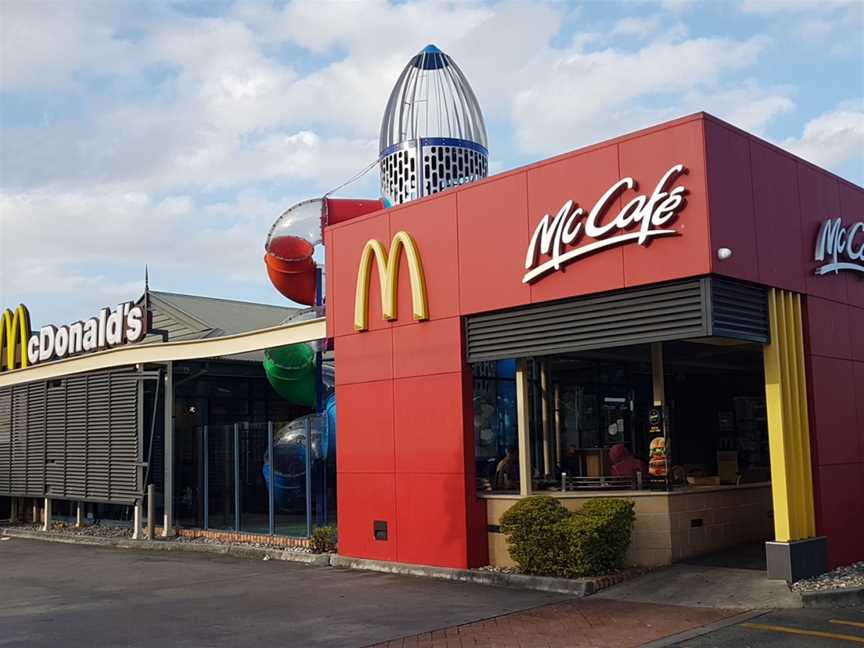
[291, 268]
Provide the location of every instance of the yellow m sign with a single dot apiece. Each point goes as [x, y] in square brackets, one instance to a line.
[388, 278]
[14, 331]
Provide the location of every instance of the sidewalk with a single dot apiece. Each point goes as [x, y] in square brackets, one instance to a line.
[585, 623]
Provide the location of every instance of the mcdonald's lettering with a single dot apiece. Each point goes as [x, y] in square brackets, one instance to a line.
[388, 279]
[14, 337]
[20, 348]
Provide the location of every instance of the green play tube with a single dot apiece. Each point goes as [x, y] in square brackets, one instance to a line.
[291, 372]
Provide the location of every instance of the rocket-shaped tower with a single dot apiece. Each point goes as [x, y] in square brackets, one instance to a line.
[433, 136]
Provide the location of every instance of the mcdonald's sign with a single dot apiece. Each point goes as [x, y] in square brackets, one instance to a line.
[14, 336]
[388, 278]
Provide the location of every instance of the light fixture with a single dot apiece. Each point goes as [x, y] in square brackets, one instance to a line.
[724, 253]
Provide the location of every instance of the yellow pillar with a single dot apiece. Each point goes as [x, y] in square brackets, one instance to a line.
[788, 426]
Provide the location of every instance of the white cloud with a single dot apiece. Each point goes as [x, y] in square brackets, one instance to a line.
[578, 96]
[832, 138]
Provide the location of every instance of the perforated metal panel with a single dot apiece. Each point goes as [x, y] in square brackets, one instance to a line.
[673, 311]
[76, 438]
[399, 177]
[450, 166]
[424, 167]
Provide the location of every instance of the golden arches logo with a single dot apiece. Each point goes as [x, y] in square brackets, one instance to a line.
[388, 278]
[14, 333]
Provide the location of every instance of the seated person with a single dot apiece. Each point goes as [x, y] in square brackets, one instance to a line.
[507, 472]
[622, 463]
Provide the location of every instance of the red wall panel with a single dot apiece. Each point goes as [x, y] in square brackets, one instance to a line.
[840, 495]
[730, 199]
[431, 348]
[829, 328]
[493, 224]
[820, 199]
[432, 224]
[428, 415]
[583, 179]
[366, 357]
[856, 329]
[432, 523]
[852, 211]
[347, 245]
[778, 217]
[365, 412]
[858, 370]
[836, 426]
[646, 159]
[364, 498]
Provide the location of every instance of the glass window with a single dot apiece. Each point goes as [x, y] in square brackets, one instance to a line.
[496, 442]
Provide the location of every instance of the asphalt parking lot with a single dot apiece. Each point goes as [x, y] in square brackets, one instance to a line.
[71, 595]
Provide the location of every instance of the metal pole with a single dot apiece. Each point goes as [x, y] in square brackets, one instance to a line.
[308, 476]
[168, 481]
[206, 445]
[236, 476]
[79, 514]
[271, 487]
[46, 521]
[151, 510]
[13, 512]
[138, 511]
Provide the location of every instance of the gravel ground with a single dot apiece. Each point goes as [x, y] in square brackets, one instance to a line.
[259, 545]
[841, 578]
[92, 530]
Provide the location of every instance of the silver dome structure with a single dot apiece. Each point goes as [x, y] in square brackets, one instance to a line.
[433, 136]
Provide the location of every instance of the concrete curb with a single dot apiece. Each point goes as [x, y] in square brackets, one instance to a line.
[233, 550]
[578, 587]
[834, 598]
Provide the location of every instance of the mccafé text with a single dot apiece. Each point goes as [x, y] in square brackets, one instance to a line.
[555, 236]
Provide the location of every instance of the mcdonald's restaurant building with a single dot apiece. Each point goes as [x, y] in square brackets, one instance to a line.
[689, 283]
[673, 317]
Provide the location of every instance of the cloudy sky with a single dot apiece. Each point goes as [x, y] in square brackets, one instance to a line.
[173, 134]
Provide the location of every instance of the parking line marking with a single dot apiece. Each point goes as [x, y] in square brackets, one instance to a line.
[806, 633]
[855, 624]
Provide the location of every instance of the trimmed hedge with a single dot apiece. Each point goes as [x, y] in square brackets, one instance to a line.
[546, 539]
[534, 534]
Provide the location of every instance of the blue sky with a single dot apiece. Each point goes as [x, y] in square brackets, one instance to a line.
[173, 134]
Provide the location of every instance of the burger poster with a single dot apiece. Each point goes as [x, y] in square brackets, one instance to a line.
[657, 451]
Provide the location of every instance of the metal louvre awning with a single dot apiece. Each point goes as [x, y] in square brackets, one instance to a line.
[694, 308]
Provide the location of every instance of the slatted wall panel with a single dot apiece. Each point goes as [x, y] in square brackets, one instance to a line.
[36, 426]
[55, 481]
[19, 440]
[5, 441]
[125, 448]
[76, 437]
[73, 438]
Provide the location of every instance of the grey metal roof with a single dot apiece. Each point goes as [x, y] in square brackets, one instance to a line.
[192, 317]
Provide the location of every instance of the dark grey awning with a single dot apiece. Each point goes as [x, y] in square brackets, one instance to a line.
[702, 307]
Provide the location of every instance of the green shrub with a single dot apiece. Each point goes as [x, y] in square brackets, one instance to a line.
[533, 534]
[615, 518]
[323, 539]
[546, 539]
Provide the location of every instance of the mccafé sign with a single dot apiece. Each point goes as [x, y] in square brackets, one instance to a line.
[21, 348]
[839, 248]
[572, 233]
